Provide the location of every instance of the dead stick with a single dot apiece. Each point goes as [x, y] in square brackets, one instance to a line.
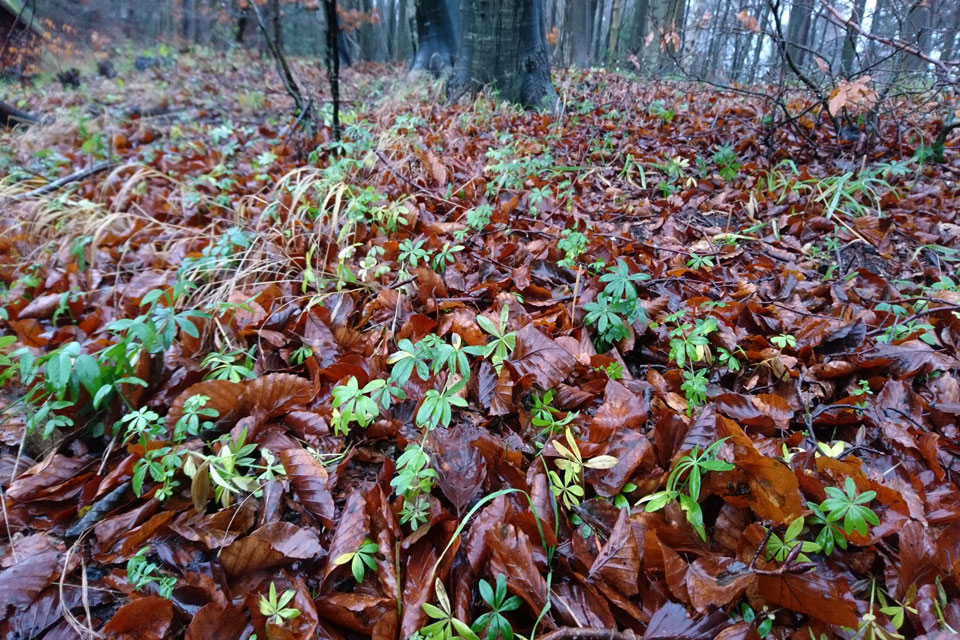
[56, 184]
[587, 633]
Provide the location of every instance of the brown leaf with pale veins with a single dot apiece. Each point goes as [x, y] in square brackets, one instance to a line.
[621, 409]
[146, 618]
[21, 583]
[774, 489]
[417, 587]
[512, 555]
[618, 563]
[716, 581]
[675, 572]
[310, 482]
[537, 354]
[670, 622]
[275, 394]
[41, 481]
[495, 392]
[213, 622]
[41, 307]
[271, 545]
[582, 604]
[828, 601]
[906, 359]
[461, 469]
[350, 532]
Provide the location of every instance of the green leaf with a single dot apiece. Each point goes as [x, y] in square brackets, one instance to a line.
[794, 529]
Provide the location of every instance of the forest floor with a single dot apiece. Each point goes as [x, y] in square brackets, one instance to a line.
[646, 366]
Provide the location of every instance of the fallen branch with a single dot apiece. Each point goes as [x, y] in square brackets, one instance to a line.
[11, 116]
[65, 180]
[587, 633]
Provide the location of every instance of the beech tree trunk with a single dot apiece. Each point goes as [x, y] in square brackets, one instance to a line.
[577, 16]
[436, 36]
[504, 45]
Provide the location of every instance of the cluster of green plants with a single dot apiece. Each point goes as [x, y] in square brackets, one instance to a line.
[510, 167]
[616, 307]
[274, 608]
[727, 163]
[843, 513]
[568, 487]
[683, 485]
[430, 358]
[675, 175]
[548, 418]
[216, 257]
[689, 347]
[572, 243]
[360, 560]
[851, 194]
[67, 383]
[142, 573]
[232, 469]
[659, 109]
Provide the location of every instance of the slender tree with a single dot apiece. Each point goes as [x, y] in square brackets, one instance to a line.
[577, 17]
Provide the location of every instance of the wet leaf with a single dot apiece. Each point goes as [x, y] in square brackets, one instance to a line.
[271, 545]
[310, 482]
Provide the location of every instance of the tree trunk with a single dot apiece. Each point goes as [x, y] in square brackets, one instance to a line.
[758, 49]
[404, 46]
[277, 27]
[504, 45]
[798, 29]
[917, 31]
[850, 41]
[436, 37]
[242, 20]
[597, 28]
[639, 29]
[333, 61]
[188, 20]
[950, 37]
[577, 17]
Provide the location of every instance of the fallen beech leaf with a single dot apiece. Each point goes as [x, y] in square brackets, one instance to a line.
[618, 563]
[310, 482]
[716, 582]
[350, 532]
[275, 394]
[200, 487]
[21, 583]
[213, 622]
[271, 545]
[774, 489]
[41, 307]
[621, 409]
[146, 618]
[223, 398]
[670, 622]
[460, 467]
[539, 355]
[828, 601]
